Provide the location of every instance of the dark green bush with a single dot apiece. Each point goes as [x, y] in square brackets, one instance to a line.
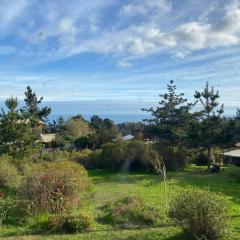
[173, 159]
[234, 172]
[201, 213]
[133, 155]
[131, 211]
[202, 159]
[54, 187]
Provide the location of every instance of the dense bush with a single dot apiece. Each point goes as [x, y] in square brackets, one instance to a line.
[133, 155]
[173, 159]
[202, 159]
[9, 174]
[88, 158]
[55, 155]
[234, 172]
[131, 211]
[54, 187]
[69, 223]
[200, 213]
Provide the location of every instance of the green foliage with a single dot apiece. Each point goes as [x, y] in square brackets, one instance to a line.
[17, 137]
[67, 223]
[9, 174]
[205, 131]
[202, 159]
[32, 109]
[200, 213]
[10, 210]
[131, 211]
[234, 172]
[77, 223]
[54, 187]
[55, 155]
[133, 155]
[174, 159]
[170, 118]
[88, 158]
[106, 131]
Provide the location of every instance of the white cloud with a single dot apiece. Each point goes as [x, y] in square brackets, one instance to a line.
[9, 11]
[231, 22]
[145, 7]
[56, 29]
[67, 26]
[124, 64]
[192, 35]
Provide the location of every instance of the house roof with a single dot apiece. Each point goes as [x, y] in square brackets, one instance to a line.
[234, 153]
[48, 138]
[237, 144]
[128, 137]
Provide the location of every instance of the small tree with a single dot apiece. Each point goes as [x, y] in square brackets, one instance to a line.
[171, 117]
[17, 137]
[204, 133]
[32, 109]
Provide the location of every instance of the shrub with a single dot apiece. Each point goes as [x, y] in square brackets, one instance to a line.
[69, 223]
[9, 174]
[55, 155]
[174, 160]
[234, 172]
[133, 155]
[77, 223]
[131, 211]
[10, 211]
[54, 187]
[200, 213]
[202, 159]
[88, 158]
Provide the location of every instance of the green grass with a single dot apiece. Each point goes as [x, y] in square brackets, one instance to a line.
[110, 186]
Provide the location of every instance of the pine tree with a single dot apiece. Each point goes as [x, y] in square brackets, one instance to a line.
[32, 108]
[171, 117]
[206, 131]
[17, 137]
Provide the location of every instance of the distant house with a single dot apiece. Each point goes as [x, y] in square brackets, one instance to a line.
[237, 144]
[128, 137]
[48, 139]
[232, 157]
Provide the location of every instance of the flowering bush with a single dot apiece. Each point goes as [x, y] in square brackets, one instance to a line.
[54, 187]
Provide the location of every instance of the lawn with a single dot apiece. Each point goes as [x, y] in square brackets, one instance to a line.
[109, 186]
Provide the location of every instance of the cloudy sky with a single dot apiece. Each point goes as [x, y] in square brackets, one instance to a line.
[119, 52]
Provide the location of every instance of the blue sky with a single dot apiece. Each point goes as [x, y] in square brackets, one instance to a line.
[119, 53]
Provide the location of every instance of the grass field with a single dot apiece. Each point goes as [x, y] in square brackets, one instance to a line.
[110, 186]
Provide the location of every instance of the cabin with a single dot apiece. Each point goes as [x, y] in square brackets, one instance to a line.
[48, 140]
[232, 157]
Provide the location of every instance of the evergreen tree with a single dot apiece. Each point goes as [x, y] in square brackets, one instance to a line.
[32, 108]
[205, 132]
[17, 137]
[171, 117]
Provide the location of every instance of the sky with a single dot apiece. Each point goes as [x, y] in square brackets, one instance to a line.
[116, 56]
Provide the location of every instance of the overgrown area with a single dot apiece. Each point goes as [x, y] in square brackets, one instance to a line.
[168, 178]
[132, 206]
